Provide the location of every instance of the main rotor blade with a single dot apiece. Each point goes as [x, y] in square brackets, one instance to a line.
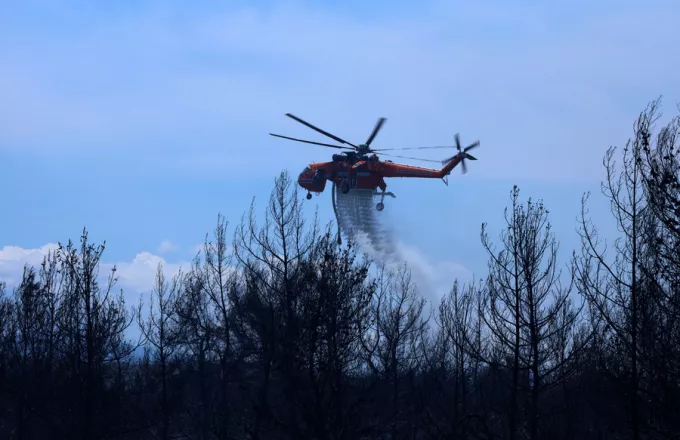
[413, 158]
[378, 125]
[310, 142]
[416, 148]
[325, 133]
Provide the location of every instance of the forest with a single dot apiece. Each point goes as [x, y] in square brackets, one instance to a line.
[276, 332]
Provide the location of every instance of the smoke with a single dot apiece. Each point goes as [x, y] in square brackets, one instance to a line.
[358, 218]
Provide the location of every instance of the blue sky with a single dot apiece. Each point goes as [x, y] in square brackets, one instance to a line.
[156, 114]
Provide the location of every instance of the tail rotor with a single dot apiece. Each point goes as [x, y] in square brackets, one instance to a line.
[463, 153]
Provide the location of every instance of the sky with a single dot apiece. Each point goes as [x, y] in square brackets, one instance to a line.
[143, 120]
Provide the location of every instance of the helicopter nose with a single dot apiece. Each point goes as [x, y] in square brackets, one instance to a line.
[304, 179]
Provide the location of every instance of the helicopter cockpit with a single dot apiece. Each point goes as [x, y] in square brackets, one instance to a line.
[307, 174]
[312, 179]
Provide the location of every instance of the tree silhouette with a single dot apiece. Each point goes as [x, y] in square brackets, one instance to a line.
[160, 333]
[522, 325]
[281, 333]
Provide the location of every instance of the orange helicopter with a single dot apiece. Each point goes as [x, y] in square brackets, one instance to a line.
[360, 167]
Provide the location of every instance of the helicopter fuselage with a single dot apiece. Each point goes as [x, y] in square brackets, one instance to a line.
[369, 173]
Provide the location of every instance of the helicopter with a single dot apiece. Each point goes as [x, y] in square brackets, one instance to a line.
[360, 168]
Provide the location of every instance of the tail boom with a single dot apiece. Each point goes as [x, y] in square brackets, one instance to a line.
[397, 170]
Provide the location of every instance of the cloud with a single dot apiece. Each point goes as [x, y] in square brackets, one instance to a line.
[166, 246]
[138, 275]
[13, 259]
[134, 277]
[493, 72]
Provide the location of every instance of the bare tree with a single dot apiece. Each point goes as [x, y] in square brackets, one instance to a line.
[160, 331]
[270, 258]
[28, 317]
[459, 323]
[7, 332]
[659, 263]
[29, 334]
[525, 301]
[399, 329]
[196, 322]
[335, 297]
[612, 287]
[92, 322]
[661, 183]
[216, 275]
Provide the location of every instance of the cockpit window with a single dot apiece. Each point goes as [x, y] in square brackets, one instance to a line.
[307, 170]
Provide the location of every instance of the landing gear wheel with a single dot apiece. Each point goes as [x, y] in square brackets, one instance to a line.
[309, 196]
[344, 189]
[380, 206]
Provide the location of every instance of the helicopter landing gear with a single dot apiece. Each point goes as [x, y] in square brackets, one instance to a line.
[380, 206]
[309, 196]
[344, 186]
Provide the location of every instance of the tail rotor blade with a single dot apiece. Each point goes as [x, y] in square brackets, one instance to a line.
[445, 161]
[471, 146]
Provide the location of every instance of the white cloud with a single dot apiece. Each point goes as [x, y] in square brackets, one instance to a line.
[134, 277]
[138, 275]
[166, 246]
[13, 259]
